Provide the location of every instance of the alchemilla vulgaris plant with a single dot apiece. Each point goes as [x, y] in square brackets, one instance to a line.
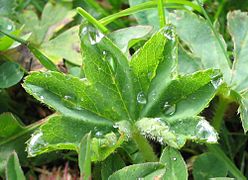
[147, 101]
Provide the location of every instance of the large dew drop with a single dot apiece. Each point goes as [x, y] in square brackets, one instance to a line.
[169, 109]
[141, 98]
[206, 132]
[36, 143]
[94, 36]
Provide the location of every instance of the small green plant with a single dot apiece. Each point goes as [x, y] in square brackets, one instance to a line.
[128, 113]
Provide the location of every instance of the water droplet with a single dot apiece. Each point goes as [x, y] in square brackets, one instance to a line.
[109, 59]
[149, 75]
[161, 140]
[99, 134]
[205, 131]
[174, 159]
[169, 109]
[35, 143]
[67, 97]
[153, 95]
[169, 32]
[9, 27]
[115, 126]
[48, 74]
[158, 120]
[216, 83]
[94, 35]
[42, 97]
[141, 98]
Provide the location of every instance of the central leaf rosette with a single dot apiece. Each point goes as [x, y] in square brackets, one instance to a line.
[120, 96]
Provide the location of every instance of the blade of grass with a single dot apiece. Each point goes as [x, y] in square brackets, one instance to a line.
[162, 20]
[148, 5]
[45, 61]
[92, 20]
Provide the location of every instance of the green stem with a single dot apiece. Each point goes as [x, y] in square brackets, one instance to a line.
[148, 5]
[215, 148]
[162, 20]
[92, 20]
[214, 31]
[219, 113]
[219, 10]
[144, 147]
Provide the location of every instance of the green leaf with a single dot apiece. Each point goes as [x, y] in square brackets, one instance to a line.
[7, 7]
[176, 132]
[187, 63]
[149, 17]
[61, 132]
[81, 100]
[243, 110]
[110, 165]
[176, 168]
[13, 168]
[46, 62]
[8, 26]
[127, 37]
[64, 46]
[184, 96]
[43, 29]
[147, 171]
[13, 136]
[158, 52]
[157, 130]
[84, 157]
[237, 27]
[104, 145]
[107, 69]
[10, 74]
[197, 34]
[192, 128]
[207, 166]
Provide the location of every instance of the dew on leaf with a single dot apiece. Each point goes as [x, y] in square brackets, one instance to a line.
[35, 143]
[206, 132]
[174, 159]
[42, 97]
[141, 98]
[67, 97]
[216, 83]
[99, 134]
[94, 35]
[153, 95]
[169, 109]
[9, 27]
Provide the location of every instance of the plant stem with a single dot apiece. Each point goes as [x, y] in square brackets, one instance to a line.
[92, 20]
[219, 113]
[215, 148]
[148, 5]
[144, 147]
[162, 20]
[219, 10]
